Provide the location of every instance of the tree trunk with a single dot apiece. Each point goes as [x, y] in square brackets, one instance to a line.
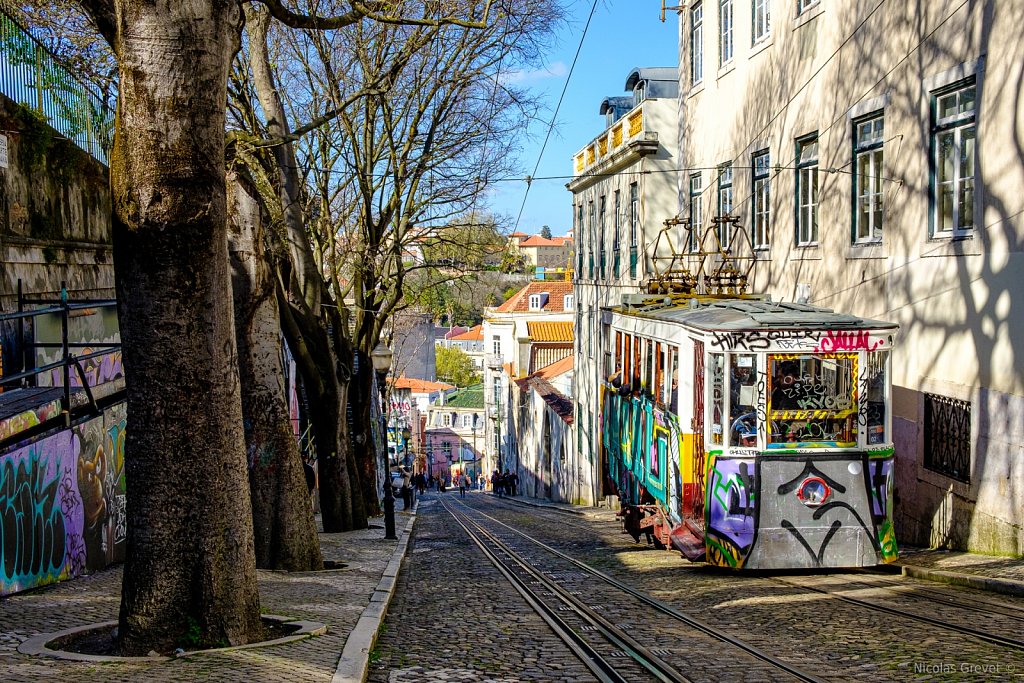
[190, 574]
[364, 446]
[283, 524]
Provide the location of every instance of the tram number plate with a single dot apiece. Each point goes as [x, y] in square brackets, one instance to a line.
[648, 521]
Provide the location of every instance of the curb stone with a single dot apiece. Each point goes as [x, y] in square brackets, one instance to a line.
[545, 506]
[354, 664]
[985, 583]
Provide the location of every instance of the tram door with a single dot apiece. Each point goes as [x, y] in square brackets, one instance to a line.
[693, 491]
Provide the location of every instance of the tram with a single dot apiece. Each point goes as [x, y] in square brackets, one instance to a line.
[751, 434]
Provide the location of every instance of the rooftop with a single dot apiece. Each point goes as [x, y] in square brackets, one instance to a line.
[520, 301]
[550, 331]
[475, 333]
[420, 386]
[557, 368]
[470, 397]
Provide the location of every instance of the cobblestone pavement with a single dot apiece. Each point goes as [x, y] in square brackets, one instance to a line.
[775, 612]
[336, 598]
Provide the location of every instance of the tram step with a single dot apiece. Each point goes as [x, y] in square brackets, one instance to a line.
[688, 543]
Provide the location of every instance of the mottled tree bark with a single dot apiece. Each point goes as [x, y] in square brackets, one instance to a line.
[190, 562]
[283, 524]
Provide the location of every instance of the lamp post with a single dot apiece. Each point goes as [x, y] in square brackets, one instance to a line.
[381, 359]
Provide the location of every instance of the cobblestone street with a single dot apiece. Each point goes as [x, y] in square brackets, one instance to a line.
[455, 617]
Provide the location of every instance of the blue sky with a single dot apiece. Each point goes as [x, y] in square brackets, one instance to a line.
[622, 35]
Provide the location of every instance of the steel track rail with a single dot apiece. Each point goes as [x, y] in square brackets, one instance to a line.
[600, 667]
[667, 609]
[974, 603]
[643, 656]
[982, 635]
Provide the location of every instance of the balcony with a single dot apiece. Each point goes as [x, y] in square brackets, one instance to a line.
[631, 133]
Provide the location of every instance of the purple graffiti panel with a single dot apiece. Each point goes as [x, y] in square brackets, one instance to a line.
[730, 510]
[62, 501]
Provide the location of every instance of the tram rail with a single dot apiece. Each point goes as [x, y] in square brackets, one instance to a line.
[964, 630]
[652, 602]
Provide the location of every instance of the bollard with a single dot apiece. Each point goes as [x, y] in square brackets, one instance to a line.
[389, 511]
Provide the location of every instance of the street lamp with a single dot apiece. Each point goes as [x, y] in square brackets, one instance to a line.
[381, 359]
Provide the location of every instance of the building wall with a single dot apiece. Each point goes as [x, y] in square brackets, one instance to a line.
[958, 301]
[657, 184]
[64, 503]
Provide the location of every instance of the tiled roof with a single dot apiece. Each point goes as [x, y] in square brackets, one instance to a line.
[561, 404]
[475, 333]
[518, 234]
[550, 332]
[556, 290]
[555, 369]
[470, 397]
[420, 386]
[455, 332]
[538, 241]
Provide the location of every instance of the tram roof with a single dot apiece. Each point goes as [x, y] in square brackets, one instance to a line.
[746, 314]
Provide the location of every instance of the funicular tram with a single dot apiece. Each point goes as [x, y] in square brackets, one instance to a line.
[747, 433]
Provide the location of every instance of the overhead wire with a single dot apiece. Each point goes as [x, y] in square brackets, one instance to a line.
[554, 117]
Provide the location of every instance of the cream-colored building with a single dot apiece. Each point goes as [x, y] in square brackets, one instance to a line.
[624, 187]
[873, 153]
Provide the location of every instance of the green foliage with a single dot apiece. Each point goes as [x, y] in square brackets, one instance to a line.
[193, 636]
[509, 293]
[455, 367]
[545, 232]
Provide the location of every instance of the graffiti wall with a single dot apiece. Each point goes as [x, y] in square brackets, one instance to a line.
[62, 504]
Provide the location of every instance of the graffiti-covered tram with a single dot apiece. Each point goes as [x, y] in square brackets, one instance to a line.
[751, 434]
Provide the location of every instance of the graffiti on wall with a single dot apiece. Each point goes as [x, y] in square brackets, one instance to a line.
[62, 504]
[28, 419]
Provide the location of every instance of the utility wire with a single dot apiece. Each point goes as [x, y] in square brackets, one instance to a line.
[554, 117]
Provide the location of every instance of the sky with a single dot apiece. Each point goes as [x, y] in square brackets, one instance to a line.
[622, 35]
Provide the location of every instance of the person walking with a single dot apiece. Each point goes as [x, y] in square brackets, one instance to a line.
[513, 482]
[496, 483]
[462, 485]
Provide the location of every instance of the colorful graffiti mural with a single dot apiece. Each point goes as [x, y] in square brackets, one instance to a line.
[62, 504]
[29, 418]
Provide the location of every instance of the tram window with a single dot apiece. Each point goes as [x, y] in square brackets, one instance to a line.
[627, 359]
[743, 400]
[875, 408]
[812, 400]
[636, 364]
[649, 368]
[673, 373]
[658, 388]
[717, 402]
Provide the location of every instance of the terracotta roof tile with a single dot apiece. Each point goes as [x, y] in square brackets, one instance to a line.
[561, 404]
[475, 333]
[557, 368]
[520, 301]
[550, 332]
[420, 386]
[538, 241]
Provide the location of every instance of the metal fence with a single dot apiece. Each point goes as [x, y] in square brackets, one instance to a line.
[30, 75]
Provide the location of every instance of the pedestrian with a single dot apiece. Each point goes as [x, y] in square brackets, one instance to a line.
[462, 485]
[480, 481]
[406, 488]
[496, 483]
[513, 481]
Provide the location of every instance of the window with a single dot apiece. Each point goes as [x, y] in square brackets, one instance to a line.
[446, 449]
[761, 20]
[590, 237]
[616, 227]
[535, 302]
[947, 437]
[867, 179]
[579, 238]
[467, 421]
[724, 203]
[807, 191]
[812, 401]
[725, 21]
[955, 154]
[569, 302]
[446, 420]
[601, 234]
[638, 93]
[696, 43]
[696, 214]
[496, 345]
[761, 199]
[804, 5]
[634, 225]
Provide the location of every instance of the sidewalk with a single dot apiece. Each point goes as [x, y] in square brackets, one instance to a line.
[992, 573]
[350, 602]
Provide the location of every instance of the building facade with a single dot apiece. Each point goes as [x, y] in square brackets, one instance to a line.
[872, 156]
[529, 331]
[624, 188]
[455, 434]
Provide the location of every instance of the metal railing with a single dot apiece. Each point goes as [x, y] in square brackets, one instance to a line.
[32, 76]
[69, 359]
